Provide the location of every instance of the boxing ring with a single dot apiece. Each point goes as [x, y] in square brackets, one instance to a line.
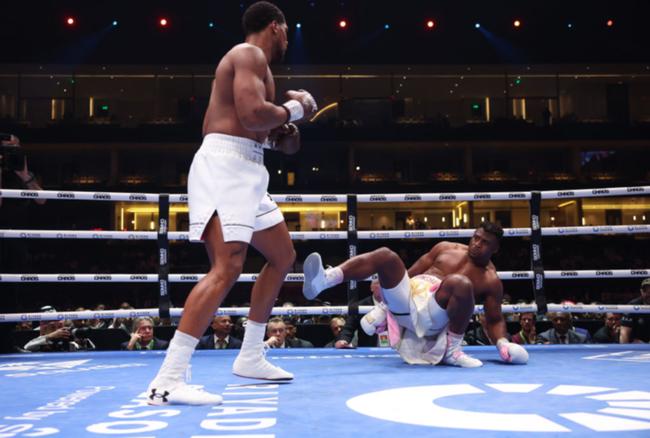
[566, 389]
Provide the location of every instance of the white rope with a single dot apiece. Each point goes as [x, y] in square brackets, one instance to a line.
[330, 235]
[299, 199]
[596, 193]
[601, 229]
[79, 196]
[325, 198]
[145, 235]
[443, 197]
[306, 310]
[290, 278]
[74, 234]
[604, 273]
[433, 234]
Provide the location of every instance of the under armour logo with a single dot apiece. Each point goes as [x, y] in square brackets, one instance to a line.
[163, 396]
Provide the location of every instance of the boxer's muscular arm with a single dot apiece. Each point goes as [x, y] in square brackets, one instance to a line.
[254, 111]
[496, 325]
[427, 260]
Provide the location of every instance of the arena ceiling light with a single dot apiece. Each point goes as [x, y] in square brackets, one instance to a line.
[70, 21]
[430, 24]
[343, 24]
[163, 22]
[517, 24]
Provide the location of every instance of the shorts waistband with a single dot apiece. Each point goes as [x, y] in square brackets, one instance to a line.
[242, 147]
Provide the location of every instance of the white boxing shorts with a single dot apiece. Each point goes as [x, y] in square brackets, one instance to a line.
[412, 302]
[228, 176]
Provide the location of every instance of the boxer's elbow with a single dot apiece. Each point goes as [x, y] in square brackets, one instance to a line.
[254, 118]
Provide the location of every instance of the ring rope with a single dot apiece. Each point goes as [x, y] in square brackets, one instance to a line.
[331, 235]
[293, 278]
[337, 198]
[136, 197]
[304, 310]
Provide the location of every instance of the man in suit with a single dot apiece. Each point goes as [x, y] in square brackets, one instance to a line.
[220, 339]
[143, 337]
[291, 339]
[561, 333]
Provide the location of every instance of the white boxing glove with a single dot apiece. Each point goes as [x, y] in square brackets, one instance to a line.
[374, 319]
[301, 105]
[511, 352]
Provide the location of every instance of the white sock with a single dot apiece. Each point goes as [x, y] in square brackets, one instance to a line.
[333, 276]
[454, 340]
[253, 336]
[177, 359]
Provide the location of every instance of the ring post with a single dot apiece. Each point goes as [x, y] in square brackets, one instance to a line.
[536, 252]
[353, 293]
[164, 303]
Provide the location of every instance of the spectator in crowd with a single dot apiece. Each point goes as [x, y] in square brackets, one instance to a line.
[610, 332]
[97, 324]
[143, 337]
[221, 337]
[125, 324]
[53, 336]
[527, 333]
[350, 336]
[24, 326]
[336, 326]
[79, 335]
[291, 338]
[276, 331]
[79, 323]
[561, 333]
[477, 335]
[636, 327]
[239, 327]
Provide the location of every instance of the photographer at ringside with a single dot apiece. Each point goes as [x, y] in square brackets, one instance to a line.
[14, 214]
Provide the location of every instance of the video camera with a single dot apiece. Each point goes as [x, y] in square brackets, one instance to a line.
[13, 156]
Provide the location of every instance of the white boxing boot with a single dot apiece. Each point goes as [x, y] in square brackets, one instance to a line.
[169, 386]
[181, 394]
[318, 278]
[251, 361]
[456, 356]
[255, 366]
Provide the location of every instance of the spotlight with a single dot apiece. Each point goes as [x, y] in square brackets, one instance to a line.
[610, 23]
[70, 21]
[386, 26]
[431, 24]
[163, 22]
[343, 24]
[298, 25]
[211, 25]
[115, 23]
[569, 26]
[477, 25]
[517, 23]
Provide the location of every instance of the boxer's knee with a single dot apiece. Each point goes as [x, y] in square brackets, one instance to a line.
[385, 256]
[458, 287]
[461, 286]
[226, 271]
